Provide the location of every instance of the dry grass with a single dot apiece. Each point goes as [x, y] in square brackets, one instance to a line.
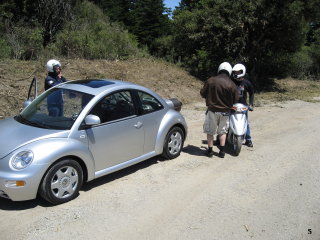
[168, 80]
[292, 89]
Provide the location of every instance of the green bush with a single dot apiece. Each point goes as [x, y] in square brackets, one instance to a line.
[315, 54]
[301, 64]
[164, 48]
[5, 50]
[91, 36]
[25, 42]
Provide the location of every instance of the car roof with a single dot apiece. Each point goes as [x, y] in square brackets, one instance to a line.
[96, 86]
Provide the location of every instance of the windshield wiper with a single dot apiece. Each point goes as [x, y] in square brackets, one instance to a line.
[28, 122]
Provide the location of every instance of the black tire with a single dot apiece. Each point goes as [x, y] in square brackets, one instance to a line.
[229, 138]
[62, 182]
[173, 143]
[237, 144]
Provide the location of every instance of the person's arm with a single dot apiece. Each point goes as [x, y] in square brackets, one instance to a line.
[204, 90]
[251, 100]
[251, 94]
[49, 82]
[235, 93]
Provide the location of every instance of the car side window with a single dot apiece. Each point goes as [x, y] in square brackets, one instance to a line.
[149, 103]
[114, 106]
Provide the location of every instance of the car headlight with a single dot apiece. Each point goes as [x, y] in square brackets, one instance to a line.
[22, 159]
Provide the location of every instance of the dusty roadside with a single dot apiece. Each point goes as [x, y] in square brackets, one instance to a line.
[268, 192]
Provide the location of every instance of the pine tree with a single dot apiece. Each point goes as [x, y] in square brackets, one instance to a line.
[148, 21]
[116, 10]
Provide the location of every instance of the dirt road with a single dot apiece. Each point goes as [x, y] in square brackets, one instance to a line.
[268, 192]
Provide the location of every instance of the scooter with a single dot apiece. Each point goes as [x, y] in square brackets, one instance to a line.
[238, 127]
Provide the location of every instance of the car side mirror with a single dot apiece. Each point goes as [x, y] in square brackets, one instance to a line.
[26, 103]
[92, 120]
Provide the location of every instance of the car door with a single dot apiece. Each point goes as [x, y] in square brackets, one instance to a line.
[120, 136]
[152, 113]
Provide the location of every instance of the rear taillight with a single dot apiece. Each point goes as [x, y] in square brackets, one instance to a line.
[174, 103]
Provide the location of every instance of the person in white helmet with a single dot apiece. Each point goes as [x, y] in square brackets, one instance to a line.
[245, 88]
[220, 94]
[54, 77]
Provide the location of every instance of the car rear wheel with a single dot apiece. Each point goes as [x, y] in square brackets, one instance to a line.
[173, 143]
[62, 182]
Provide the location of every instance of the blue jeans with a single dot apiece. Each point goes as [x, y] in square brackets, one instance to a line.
[248, 134]
[55, 110]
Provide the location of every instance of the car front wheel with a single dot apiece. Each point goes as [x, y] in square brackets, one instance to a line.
[62, 182]
[173, 143]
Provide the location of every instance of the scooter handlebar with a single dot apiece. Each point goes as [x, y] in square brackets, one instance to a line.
[241, 108]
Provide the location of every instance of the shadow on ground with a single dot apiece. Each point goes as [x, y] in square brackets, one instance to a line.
[201, 150]
[194, 150]
[8, 205]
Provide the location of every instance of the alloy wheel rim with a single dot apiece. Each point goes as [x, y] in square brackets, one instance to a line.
[64, 182]
[175, 143]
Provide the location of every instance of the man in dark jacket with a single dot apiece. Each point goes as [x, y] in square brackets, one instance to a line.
[245, 88]
[55, 100]
[220, 94]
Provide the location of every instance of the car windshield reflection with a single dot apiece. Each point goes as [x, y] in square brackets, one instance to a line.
[56, 109]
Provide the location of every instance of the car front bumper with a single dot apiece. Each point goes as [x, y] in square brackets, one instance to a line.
[21, 185]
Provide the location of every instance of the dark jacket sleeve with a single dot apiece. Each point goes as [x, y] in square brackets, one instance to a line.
[48, 82]
[235, 92]
[250, 92]
[204, 90]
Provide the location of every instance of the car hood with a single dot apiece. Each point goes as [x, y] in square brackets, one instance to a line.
[14, 135]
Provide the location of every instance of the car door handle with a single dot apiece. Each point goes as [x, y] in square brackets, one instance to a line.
[138, 125]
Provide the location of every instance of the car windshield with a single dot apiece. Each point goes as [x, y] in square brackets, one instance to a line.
[55, 109]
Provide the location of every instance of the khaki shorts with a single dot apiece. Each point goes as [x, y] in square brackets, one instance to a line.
[216, 123]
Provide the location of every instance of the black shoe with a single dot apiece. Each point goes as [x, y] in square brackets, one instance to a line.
[221, 154]
[248, 143]
[209, 153]
[216, 143]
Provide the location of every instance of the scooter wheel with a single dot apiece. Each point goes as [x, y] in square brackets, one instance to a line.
[237, 144]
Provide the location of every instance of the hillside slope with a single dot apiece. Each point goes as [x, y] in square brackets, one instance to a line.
[168, 80]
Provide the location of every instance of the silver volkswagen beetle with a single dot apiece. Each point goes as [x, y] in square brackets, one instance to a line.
[81, 130]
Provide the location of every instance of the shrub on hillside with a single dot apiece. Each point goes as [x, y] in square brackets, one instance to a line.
[315, 54]
[301, 64]
[5, 50]
[91, 35]
[24, 42]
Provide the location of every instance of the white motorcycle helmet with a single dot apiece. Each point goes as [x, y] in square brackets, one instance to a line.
[239, 68]
[225, 66]
[52, 63]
